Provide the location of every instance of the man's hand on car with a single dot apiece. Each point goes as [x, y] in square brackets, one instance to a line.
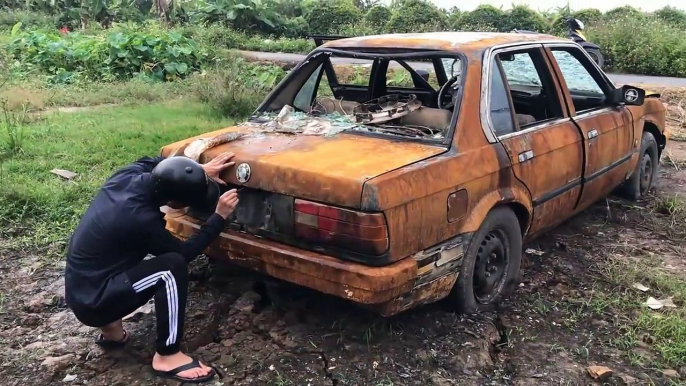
[227, 203]
[217, 165]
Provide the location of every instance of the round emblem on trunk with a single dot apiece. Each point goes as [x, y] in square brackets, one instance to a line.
[243, 173]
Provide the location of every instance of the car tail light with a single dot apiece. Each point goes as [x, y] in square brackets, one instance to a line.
[364, 233]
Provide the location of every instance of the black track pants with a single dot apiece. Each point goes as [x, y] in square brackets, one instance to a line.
[164, 277]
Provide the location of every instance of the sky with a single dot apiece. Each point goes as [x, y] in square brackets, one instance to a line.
[544, 5]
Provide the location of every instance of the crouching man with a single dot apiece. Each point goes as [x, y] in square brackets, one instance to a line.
[106, 275]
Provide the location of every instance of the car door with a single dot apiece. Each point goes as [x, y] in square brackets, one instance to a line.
[607, 128]
[544, 146]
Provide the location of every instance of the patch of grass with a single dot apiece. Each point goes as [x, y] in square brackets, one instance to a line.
[666, 326]
[40, 96]
[93, 144]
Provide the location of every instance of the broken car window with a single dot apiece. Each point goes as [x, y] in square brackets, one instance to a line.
[500, 111]
[306, 94]
[576, 76]
[358, 100]
[520, 69]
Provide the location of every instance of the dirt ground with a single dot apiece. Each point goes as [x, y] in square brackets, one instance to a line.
[265, 333]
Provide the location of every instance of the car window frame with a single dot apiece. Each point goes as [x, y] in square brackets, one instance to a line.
[485, 99]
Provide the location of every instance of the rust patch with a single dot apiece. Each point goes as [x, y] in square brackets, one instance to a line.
[449, 41]
[426, 293]
[458, 203]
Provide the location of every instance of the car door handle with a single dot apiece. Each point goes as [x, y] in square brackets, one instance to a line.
[592, 134]
[525, 156]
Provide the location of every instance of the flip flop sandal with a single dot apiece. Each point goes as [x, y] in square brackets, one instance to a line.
[172, 374]
[112, 344]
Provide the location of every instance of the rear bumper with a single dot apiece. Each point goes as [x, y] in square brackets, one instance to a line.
[349, 280]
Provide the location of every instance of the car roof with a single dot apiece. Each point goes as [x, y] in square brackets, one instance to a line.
[443, 41]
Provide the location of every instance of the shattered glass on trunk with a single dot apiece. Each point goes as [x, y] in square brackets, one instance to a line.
[289, 121]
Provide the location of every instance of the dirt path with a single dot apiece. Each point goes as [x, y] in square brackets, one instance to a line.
[276, 334]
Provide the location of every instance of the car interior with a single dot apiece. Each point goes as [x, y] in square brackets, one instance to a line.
[430, 118]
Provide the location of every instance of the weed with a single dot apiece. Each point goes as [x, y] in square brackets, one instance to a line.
[12, 129]
[235, 88]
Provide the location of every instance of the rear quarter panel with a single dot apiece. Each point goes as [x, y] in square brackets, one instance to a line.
[415, 198]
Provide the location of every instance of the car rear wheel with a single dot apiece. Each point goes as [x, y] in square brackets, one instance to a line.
[645, 174]
[491, 264]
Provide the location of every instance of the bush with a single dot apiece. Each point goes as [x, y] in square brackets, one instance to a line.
[235, 88]
[116, 55]
[326, 16]
[455, 18]
[377, 17]
[673, 16]
[523, 17]
[484, 18]
[28, 20]
[220, 37]
[642, 45]
[621, 13]
[417, 16]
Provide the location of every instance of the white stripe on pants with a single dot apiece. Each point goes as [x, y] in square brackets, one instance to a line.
[172, 298]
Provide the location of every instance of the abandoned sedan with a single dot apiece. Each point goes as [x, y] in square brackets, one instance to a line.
[395, 194]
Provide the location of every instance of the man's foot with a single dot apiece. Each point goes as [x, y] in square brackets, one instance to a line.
[113, 336]
[164, 363]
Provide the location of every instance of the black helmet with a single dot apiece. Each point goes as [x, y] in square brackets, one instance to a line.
[183, 180]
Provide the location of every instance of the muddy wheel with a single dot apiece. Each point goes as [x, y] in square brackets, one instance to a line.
[644, 175]
[491, 265]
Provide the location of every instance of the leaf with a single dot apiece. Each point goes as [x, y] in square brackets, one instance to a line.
[171, 67]
[182, 68]
[15, 29]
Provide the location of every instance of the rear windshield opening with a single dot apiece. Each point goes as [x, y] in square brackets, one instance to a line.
[410, 95]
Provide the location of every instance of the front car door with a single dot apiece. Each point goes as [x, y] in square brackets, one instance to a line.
[607, 128]
[526, 115]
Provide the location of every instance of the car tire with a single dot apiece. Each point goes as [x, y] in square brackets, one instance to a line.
[645, 174]
[499, 237]
[597, 56]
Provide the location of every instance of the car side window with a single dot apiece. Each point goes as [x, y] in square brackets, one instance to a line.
[585, 91]
[534, 97]
[305, 96]
[500, 111]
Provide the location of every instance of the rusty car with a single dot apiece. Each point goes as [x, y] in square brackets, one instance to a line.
[395, 196]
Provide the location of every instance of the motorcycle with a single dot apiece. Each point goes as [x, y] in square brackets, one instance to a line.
[574, 28]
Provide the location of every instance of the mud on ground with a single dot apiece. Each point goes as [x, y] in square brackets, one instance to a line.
[265, 333]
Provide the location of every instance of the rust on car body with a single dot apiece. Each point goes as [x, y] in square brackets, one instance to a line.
[545, 159]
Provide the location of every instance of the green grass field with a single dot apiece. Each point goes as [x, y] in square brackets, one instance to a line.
[93, 144]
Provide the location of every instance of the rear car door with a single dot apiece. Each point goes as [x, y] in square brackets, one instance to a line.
[607, 128]
[527, 116]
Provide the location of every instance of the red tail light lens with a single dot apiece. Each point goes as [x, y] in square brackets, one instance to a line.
[363, 233]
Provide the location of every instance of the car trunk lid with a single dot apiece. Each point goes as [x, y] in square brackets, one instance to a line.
[331, 170]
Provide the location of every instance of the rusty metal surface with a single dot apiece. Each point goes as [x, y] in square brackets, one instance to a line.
[331, 170]
[449, 41]
[348, 280]
[426, 293]
[458, 204]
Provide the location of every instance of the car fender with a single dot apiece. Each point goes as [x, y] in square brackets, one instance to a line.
[516, 195]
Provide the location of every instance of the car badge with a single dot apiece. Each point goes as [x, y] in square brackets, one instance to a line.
[243, 173]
